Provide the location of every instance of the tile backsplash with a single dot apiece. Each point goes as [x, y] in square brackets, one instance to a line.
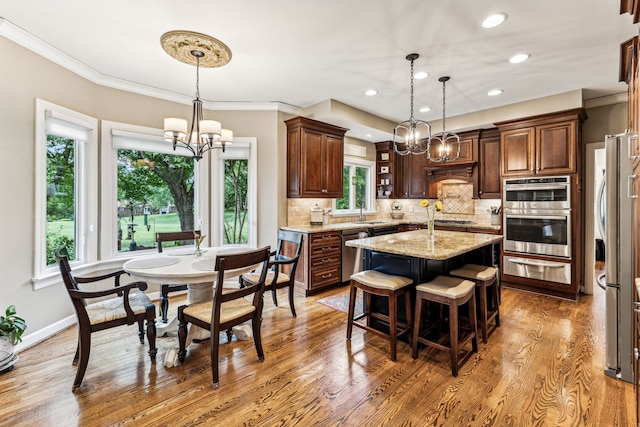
[299, 211]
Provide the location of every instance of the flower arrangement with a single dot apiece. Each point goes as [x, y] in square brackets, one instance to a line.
[437, 207]
[198, 239]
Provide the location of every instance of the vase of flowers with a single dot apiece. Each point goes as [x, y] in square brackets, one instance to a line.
[431, 213]
[198, 239]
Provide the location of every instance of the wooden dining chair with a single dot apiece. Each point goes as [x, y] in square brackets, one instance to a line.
[125, 308]
[175, 236]
[229, 307]
[282, 267]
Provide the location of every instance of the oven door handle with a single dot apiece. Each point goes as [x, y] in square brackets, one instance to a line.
[524, 216]
[537, 263]
[509, 187]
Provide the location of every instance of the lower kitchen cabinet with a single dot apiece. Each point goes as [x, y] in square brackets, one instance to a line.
[319, 265]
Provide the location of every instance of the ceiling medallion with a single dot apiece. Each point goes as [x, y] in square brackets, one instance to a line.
[181, 44]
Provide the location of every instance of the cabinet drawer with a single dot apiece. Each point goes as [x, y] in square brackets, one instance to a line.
[325, 276]
[324, 239]
[325, 261]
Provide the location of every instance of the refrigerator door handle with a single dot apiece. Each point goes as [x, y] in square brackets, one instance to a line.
[633, 139]
[600, 203]
[630, 180]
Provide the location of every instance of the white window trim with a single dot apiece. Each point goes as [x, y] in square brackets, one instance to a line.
[86, 187]
[217, 193]
[109, 185]
[371, 193]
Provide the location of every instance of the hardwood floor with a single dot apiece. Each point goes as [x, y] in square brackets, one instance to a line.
[542, 367]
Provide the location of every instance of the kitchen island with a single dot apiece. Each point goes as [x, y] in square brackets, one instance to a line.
[415, 255]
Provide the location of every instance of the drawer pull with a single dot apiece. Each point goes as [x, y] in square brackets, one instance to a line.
[326, 276]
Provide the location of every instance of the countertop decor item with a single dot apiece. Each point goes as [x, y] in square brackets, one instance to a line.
[437, 207]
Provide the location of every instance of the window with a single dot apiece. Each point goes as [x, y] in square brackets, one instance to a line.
[358, 187]
[147, 187]
[233, 199]
[66, 201]
[156, 193]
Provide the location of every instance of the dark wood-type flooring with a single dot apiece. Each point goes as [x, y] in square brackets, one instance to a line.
[543, 367]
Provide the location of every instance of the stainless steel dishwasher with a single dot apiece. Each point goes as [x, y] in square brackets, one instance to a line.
[351, 261]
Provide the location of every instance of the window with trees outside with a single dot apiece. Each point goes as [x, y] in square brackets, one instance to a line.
[233, 201]
[66, 194]
[147, 188]
[155, 194]
[357, 187]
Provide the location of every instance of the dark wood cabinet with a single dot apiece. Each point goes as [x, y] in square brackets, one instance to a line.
[541, 145]
[489, 182]
[315, 159]
[319, 265]
[413, 182]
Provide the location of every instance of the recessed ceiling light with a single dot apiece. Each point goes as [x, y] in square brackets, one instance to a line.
[368, 135]
[494, 20]
[520, 57]
[494, 92]
[421, 75]
[371, 92]
[425, 109]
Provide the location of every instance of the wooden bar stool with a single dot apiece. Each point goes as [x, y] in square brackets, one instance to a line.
[385, 285]
[487, 288]
[453, 292]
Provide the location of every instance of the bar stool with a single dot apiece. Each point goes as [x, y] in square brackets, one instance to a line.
[384, 285]
[487, 288]
[453, 292]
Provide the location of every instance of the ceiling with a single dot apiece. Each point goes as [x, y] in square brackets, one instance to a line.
[302, 53]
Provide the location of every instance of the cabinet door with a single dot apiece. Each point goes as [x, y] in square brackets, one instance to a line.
[311, 170]
[517, 148]
[332, 167]
[489, 167]
[556, 148]
[415, 176]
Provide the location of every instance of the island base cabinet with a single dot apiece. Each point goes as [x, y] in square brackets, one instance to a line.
[319, 265]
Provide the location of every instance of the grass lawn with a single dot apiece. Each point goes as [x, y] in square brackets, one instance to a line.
[145, 235]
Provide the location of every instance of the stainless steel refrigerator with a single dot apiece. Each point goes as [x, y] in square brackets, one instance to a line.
[618, 257]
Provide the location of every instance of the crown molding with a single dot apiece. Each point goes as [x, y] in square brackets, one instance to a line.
[21, 37]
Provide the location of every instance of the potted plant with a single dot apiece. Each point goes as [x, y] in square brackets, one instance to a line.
[12, 326]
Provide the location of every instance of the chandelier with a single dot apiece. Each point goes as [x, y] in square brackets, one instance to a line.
[445, 139]
[200, 50]
[411, 136]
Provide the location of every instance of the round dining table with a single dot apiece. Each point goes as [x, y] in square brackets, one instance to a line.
[179, 266]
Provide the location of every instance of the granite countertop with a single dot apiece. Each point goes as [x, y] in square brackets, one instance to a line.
[376, 224]
[444, 245]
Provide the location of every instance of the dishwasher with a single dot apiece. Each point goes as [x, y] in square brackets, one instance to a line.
[351, 257]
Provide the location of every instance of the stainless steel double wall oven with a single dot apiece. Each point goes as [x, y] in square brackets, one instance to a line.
[537, 221]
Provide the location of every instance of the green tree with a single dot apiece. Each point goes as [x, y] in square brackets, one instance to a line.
[143, 175]
[235, 199]
[60, 177]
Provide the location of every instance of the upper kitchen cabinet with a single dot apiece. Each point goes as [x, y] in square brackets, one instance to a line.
[315, 158]
[489, 182]
[541, 145]
[412, 181]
